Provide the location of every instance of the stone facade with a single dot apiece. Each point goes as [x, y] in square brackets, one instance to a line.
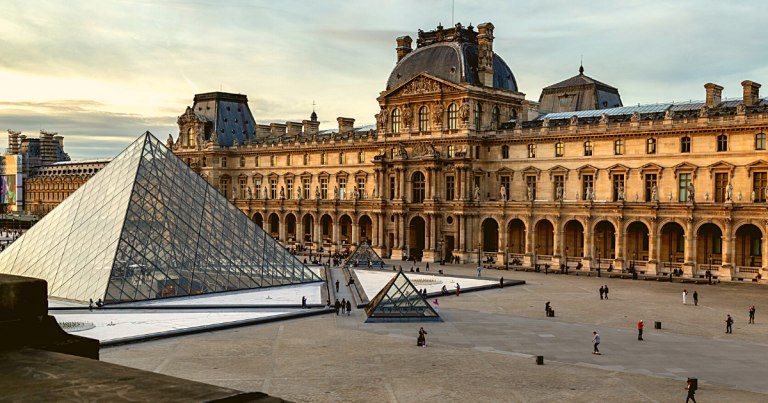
[48, 185]
[463, 168]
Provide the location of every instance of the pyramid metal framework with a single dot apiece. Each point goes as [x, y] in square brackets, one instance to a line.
[400, 301]
[146, 227]
[363, 255]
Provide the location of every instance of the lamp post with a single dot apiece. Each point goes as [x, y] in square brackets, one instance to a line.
[598, 262]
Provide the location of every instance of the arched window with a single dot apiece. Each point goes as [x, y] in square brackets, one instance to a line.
[417, 183]
[395, 121]
[588, 148]
[722, 143]
[505, 152]
[760, 141]
[513, 114]
[618, 147]
[191, 140]
[495, 117]
[650, 146]
[453, 117]
[478, 116]
[685, 144]
[423, 119]
[559, 149]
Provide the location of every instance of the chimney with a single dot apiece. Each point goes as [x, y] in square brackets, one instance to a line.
[751, 92]
[262, 131]
[277, 129]
[403, 47]
[714, 94]
[345, 124]
[293, 128]
[13, 142]
[485, 53]
[311, 127]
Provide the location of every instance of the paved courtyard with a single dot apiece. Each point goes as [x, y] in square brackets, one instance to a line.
[484, 350]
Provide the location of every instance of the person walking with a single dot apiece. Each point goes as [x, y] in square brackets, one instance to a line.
[752, 314]
[606, 291]
[303, 302]
[501, 282]
[349, 307]
[685, 295]
[729, 324]
[602, 291]
[337, 285]
[422, 340]
[436, 303]
[691, 388]
[343, 305]
[595, 342]
[695, 298]
[337, 306]
[427, 267]
[640, 330]
[458, 289]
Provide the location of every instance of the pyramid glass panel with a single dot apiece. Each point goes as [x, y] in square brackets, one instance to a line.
[400, 301]
[364, 256]
[146, 227]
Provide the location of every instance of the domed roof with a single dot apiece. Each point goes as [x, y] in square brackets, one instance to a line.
[452, 61]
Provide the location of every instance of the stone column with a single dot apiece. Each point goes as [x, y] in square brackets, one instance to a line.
[403, 180]
[470, 185]
[729, 241]
[765, 249]
[428, 185]
[457, 192]
[690, 250]
[281, 230]
[318, 237]
[459, 237]
[375, 230]
[618, 262]
[300, 231]
[653, 251]
[336, 238]
[355, 233]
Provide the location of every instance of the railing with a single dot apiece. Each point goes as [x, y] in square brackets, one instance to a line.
[516, 255]
[573, 259]
[544, 258]
[639, 263]
[710, 267]
[747, 269]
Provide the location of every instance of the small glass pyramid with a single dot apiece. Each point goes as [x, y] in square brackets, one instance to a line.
[146, 227]
[399, 301]
[364, 256]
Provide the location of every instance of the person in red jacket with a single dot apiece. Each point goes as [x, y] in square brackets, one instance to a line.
[640, 330]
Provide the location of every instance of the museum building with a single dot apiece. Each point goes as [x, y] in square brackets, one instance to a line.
[460, 164]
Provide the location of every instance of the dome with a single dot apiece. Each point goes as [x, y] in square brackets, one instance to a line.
[452, 61]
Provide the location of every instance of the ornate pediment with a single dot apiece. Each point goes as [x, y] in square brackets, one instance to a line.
[685, 167]
[651, 168]
[759, 165]
[618, 168]
[423, 84]
[531, 170]
[558, 170]
[587, 170]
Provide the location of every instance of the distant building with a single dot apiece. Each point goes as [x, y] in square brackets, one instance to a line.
[47, 176]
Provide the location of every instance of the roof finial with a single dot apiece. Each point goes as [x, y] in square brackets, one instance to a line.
[581, 64]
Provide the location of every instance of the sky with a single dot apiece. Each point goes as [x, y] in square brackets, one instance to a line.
[101, 73]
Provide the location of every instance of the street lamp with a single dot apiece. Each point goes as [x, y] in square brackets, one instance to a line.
[441, 252]
[598, 262]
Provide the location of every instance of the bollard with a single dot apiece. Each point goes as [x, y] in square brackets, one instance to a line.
[539, 360]
[657, 325]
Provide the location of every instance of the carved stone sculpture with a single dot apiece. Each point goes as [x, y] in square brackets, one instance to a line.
[282, 193]
[654, 193]
[250, 193]
[728, 192]
[317, 192]
[477, 192]
[503, 193]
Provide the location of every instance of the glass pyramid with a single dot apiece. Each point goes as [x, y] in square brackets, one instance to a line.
[364, 256]
[399, 301]
[147, 227]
